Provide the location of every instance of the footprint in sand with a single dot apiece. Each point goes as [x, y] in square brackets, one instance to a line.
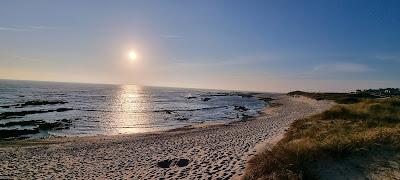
[171, 162]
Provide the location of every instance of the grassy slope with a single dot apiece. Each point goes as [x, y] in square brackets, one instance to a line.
[343, 131]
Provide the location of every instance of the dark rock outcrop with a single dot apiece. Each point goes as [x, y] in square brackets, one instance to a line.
[206, 99]
[182, 119]
[38, 125]
[17, 132]
[241, 108]
[34, 103]
[6, 115]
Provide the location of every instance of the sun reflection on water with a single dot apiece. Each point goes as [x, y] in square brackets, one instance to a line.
[129, 106]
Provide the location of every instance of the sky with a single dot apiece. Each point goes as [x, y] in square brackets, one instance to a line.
[274, 46]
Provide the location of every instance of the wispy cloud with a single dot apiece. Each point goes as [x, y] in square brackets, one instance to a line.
[342, 68]
[23, 29]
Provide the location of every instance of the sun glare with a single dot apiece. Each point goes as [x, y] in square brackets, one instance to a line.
[132, 55]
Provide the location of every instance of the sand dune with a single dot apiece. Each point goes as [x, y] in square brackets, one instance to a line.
[208, 152]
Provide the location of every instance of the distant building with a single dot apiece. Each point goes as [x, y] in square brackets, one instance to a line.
[383, 92]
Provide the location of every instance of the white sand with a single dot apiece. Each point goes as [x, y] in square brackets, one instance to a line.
[213, 151]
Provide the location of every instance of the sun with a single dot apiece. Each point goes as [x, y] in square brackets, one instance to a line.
[132, 55]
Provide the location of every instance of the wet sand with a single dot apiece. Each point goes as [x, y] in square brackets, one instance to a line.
[204, 152]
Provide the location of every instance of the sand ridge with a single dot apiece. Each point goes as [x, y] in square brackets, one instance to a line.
[209, 152]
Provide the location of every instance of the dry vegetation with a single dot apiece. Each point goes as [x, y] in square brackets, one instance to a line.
[342, 131]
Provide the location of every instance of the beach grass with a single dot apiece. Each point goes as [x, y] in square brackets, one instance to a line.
[343, 131]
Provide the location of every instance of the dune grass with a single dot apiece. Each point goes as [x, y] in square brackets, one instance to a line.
[342, 131]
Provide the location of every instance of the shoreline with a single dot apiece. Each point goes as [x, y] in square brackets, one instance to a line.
[206, 124]
[216, 150]
[33, 129]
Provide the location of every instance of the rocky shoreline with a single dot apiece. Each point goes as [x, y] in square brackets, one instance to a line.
[16, 125]
[205, 152]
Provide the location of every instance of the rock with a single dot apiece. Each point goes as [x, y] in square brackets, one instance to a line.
[66, 120]
[272, 104]
[17, 132]
[191, 97]
[41, 102]
[22, 123]
[34, 103]
[40, 126]
[245, 117]
[245, 95]
[168, 111]
[241, 108]
[50, 126]
[182, 119]
[206, 99]
[63, 109]
[220, 94]
[266, 99]
[6, 115]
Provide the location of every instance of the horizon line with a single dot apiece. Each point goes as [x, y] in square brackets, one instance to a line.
[96, 83]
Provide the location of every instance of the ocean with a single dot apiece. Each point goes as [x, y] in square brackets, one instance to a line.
[31, 109]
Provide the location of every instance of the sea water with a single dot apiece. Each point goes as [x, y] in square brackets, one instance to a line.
[74, 109]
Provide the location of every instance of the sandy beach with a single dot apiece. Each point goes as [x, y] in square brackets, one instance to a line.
[205, 152]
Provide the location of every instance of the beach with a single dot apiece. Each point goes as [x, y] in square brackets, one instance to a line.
[207, 151]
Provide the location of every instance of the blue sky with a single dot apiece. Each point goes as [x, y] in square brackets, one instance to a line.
[246, 45]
